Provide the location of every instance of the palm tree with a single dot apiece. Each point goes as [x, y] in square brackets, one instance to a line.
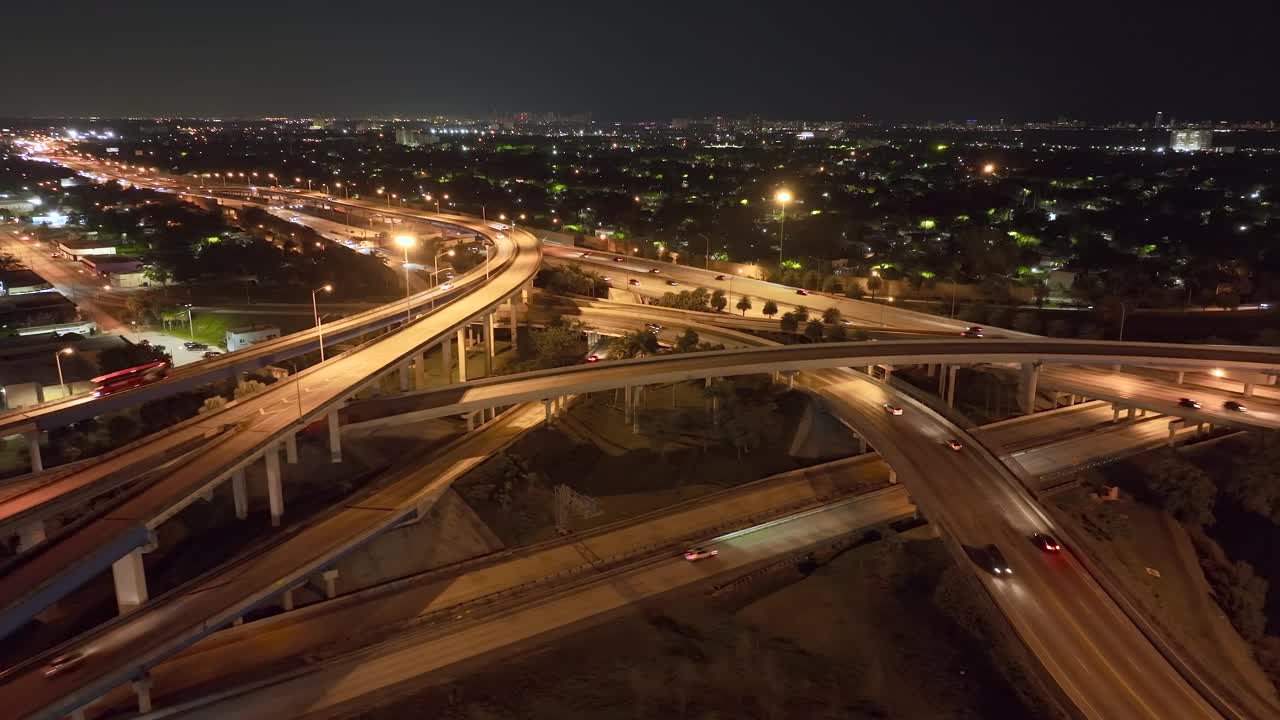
[744, 304]
[790, 322]
[831, 315]
[813, 330]
[770, 309]
[801, 312]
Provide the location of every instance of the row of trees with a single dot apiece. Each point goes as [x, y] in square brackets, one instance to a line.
[827, 327]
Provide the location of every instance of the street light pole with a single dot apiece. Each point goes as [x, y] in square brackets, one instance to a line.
[406, 242]
[191, 323]
[316, 311]
[57, 357]
[435, 270]
[783, 197]
[1122, 314]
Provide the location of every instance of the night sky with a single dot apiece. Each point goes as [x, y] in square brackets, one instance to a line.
[892, 60]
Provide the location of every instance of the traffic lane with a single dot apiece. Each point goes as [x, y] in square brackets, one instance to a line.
[429, 649]
[135, 639]
[1163, 397]
[68, 277]
[1104, 443]
[1032, 430]
[869, 313]
[982, 509]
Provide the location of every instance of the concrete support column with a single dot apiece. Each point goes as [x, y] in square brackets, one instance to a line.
[1115, 367]
[335, 437]
[791, 380]
[291, 448]
[933, 369]
[142, 688]
[488, 344]
[1115, 413]
[1129, 413]
[715, 409]
[240, 494]
[420, 370]
[286, 600]
[405, 379]
[1182, 375]
[942, 381]
[1271, 379]
[33, 449]
[546, 411]
[330, 580]
[893, 476]
[446, 360]
[635, 410]
[951, 385]
[1248, 389]
[626, 404]
[1172, 430]
[275, 492]
[30, 535]
[515, 319]
[862, 445]
[130, 578]
[1027, 387]
[471, 421]
[462, 355]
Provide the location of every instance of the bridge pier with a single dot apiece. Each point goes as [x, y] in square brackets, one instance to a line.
[291, 448]
[240, 494]
[626, 405]
[335, 437]
[514, 307]
[1115, 413]
[1182, 374]
[952, 378]
[1248, 389]
[489, 350]
[129, 575]
[942, 381]
[862, 445]
[893, 476]
[142, 689]
[1028, 381]
[635, 410]
[420, 370]
[404, 376]
[446, 360]
[462, 354]
[275, 492]
[328, 584]
[546, 411]
[30, 535]
[33, 449]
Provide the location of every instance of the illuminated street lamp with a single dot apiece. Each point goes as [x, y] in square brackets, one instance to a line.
[315, 309]
[783, 197]
[988, 168]
[435, 266]
[57, 358]
[406, 242]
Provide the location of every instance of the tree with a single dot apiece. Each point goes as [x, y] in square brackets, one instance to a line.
[129, 355]
[1027, 322]
[10, 262]
[558, 345]
[813, 330]
[790, 323]
[1242, 595]
[744, 304]
[1182, 489]
[770, 309]
[831, 284]
[1041, 290]
[635, 344]
[719, 301]
[874, 283]
[835, 333]
[687, 342]
[801, 312]
[831, 315]
[1254, 481]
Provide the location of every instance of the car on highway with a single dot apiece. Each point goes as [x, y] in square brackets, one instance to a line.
[63, 662]
[892, 409]
[955, 444]
[633, 281]
[211, 354]
[802, 292]
[1234, 406]
[993, 561]
[606, 278]
[652, 327]
[584, 255]
[618, 259]
[193, 345]
[972, 331]
[1045, 542]
[698, 553]
[673, 283]
[719, 277]
[654, 271]
[1189, 403]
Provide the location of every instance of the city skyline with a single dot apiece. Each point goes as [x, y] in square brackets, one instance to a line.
[833, 62]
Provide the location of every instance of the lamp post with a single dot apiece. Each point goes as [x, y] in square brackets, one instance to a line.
[57, 358]
[316, 311]
[191, 323]
[783, 197]
[435, 267]
[406, 242]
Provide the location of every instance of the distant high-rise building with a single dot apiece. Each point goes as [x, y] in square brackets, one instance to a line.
[1191, 140]
[413, 137]
[1159, 118]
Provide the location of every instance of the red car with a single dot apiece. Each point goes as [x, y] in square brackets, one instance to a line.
[695, 554]
[655, 271]
[633, 281]
[719, 277]
[802, 292]
[955, 444]
[1045, 542]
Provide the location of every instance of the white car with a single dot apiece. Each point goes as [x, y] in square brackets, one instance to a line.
[892, 409]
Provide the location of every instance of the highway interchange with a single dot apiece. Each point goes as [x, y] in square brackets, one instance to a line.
[1087, 645]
